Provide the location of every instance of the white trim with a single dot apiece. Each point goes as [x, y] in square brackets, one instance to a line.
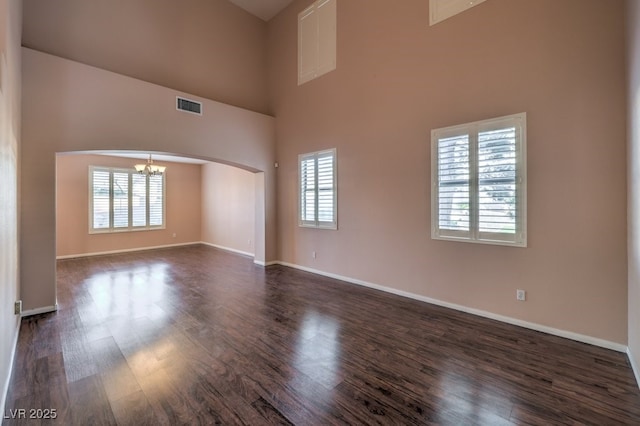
[315, 157]
[514, 321]
[439, 10]
[130, 187]
[5, 388]
[42, 310]
[101, 253]
[470, 134]
[244, 253]
[635, 367]
[271, 263]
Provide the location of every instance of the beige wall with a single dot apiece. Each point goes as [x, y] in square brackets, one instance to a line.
[210, 48]
[228, 207]
[69, 107]
[10, 22]
[397, 78]
[562, 62]
[633, 190]
[183, 207]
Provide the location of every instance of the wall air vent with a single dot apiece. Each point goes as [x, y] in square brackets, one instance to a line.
[187, 105]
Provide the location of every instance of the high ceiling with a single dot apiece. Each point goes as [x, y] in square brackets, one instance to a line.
[263, 9]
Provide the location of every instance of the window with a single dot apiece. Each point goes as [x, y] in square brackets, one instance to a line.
[316, 40]
[478, 174]
[318, 192]
[439, 10]
[124, 200]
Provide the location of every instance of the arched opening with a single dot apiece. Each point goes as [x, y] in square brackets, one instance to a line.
[71, 107]
[202, 201]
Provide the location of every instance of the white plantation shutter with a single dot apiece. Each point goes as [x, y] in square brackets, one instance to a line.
[326, 188]
[123, 200]
[439, 10]
[308, 190]
[156, 200]
[307, 45]
[100, 196]
[479, 181]
[497, 181]
[139, 200]
[318, 195]
[120, 200]
[453, 188]
[317, 37]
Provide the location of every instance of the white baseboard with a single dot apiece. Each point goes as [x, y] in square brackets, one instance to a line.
[5, 388]
[514, 321]
[232, 250]
[102, 253]
[42, 310]
[635, 367]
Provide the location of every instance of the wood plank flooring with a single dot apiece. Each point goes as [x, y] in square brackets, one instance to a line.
[196, 335]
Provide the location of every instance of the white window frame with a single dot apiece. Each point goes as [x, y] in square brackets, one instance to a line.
[315, 222]
[317, 40]
[473, 235]
[439, 10]
[130, 227]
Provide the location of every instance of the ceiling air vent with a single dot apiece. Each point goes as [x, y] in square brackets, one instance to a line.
[188, 105]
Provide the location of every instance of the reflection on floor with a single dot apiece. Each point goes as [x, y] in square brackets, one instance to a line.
[197, 335]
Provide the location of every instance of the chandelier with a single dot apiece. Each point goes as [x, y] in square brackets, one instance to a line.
[149, 168]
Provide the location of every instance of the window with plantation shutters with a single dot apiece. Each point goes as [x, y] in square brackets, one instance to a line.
[316, 40]
[124, 200]
[318, 194]
[479, 181]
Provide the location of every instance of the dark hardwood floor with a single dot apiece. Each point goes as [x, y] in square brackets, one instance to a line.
[196, 335]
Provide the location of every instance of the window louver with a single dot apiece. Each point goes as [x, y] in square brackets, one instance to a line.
[453, 178]
[318, 189]
[101, 199]
[156, 200]
[479, 176]
[124, 200]
[497, 181]
[139, 201]
[120, 199]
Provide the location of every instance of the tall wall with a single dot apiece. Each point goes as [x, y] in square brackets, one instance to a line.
[228, 207]
[633, 181]
[10, 65]
[561, 62]
[183, 207]
[210, 48]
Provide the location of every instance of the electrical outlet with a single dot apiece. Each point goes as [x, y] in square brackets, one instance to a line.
[17, 307]
[521, 295]
[174, 235]
[313, 254]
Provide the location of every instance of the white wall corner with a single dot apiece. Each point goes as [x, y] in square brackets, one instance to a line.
[5, 387]
[635, 367]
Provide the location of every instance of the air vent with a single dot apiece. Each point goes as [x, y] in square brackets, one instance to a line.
[189, 106]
